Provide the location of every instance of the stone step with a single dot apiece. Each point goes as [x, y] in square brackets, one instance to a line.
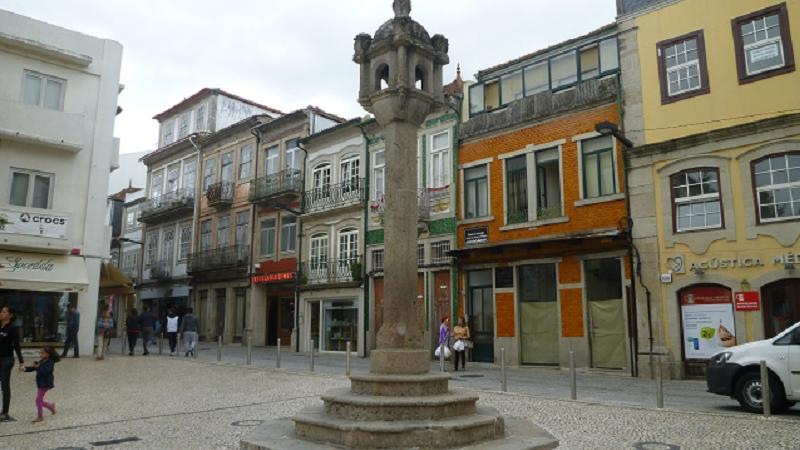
[345, 404]
[400, 385]
[313, 424]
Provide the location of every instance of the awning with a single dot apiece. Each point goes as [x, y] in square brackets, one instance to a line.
[42, 272]
[113, 281]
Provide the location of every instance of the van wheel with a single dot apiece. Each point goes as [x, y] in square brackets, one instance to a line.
[749, 394]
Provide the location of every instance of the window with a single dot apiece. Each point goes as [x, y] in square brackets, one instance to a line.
[516, 190]
[590, 62]
[183, 125]
[151, 248]
[697, 202]
[321, 181]
[292, 154]
[682, 67]
[205, 235]
[440, 160]
[245, 161]
[30, 188]
[609, 55]
[156, 184]
[377, 259]
[777, 180]
[420, 255]
[476, 103]
[189, 174]
[223, 231]
[242, 220]
[476, 192]
[273, 159]
[491, 95]
[42, 90]
[168, 246]
[173, 176]
[267, 237]
[439, 252]
[200, 118]
[378, 172]
[318, 256]
[348, 246]
[564, 70]
[548, 184]
[209, 173]
[763, 44]
[130, 219]
[349, 173]
[511, 87]
[537, 78]
[288, 233]
[186, 241]
[226, 169]
[167, 132]
[598, 167]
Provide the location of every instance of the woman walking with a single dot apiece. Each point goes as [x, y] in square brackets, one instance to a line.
[9, 344]
[461, 336]
[172, 330]
[132, 326]
[44, 379]
[444, 336]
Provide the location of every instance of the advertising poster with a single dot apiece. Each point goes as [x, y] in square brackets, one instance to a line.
[708, 326]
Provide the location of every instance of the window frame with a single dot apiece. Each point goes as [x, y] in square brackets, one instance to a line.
[291, 155]
[785, 39]
[200, 118]
[755, 189]
[241, 229]
[446, 155]
[466, 199]
[185, 247]
[226, 219]
[375, 169]
[206, 235]
[261, 230]
[209, 172]
[284, 225]
[42, 89]
[697, 199]
[705, 86]
[316, 261]
[348, 236]
[614, 168]
[248, 163]
[226, 161]
[32, 174]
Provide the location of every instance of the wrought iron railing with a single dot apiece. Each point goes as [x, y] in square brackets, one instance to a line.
[235, 257]
[161, 270]
[334, 196]
[287, 181]
[167, 203]
[332, 271]
[220, 193]
[423, 205]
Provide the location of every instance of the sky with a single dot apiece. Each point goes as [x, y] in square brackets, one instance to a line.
[289, 54]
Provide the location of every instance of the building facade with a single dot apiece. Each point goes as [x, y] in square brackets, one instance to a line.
[542, 244]
[711, 97]
[58, 102]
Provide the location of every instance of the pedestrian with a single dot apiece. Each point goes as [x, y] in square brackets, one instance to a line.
[147, 324]
[172, 330]
[444, 337]
[132, 328]
[189, 331]
[461, 337]
[105, 324]
[73, 324]
[44, 379]
[9, 344]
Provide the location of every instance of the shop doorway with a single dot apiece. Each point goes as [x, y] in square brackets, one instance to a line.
[481, 315]
[440, 307]
[220, 304]
[781, 305]
[314, 324]
[280, 320]
[538, 309]
[606, 312]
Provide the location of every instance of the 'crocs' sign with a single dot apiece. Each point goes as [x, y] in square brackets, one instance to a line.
[34, 223]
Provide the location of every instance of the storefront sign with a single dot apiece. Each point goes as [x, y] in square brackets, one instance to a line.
[474, 236]
[17, 263]
[677, 263]
[35, 224]
[787, 258]
[707, 316]
[747, 301]
[728, 263]
[42, 272]
[279, 277]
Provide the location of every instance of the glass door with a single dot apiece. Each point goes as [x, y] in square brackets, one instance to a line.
[481, 315]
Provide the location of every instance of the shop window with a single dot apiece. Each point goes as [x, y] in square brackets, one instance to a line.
[763, 44]
[777, 179]
[537, 78]
[781, 301]
[340, 325]
[511, 87]
[516, 190]
[476, 192]
[43, 90]
[226, 168]
[697, 204]
[30, 188]
[564, 70]
[38, 314]
[288, 233]
[599, 174]
[683, 72]
[245, 161]
[224, 231]
[537, 283]
[548, 184]
[267, 236]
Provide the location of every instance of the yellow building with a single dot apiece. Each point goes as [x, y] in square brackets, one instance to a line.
[712, 103]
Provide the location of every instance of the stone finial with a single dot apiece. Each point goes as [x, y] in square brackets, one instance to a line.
[402, 8]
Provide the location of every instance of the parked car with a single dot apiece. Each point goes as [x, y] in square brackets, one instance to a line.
[736, 372]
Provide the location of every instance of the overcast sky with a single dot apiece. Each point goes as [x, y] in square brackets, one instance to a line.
[291, 53]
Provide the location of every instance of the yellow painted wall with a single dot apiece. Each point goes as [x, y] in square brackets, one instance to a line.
[728, 101]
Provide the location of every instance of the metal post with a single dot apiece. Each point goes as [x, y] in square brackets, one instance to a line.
[573, 377]
[278, 356]
[503, 379]
[347, 368]
[765, 393]
[219, 348]
[249, 348]
[311, 361]
[441, 357]
[659, 384]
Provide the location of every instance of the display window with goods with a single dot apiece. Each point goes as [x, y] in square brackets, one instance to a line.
[41, 316]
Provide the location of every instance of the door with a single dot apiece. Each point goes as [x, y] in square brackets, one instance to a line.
[286, 320]
[781, 305]
[220, 303]
[272, 321]
[481, 315]
[314, 323]
[538, 309]
[606, 311]
[440, 306]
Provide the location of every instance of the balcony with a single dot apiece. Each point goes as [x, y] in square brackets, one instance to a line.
[332, 272]
[167, 206]
[161, 270]
[423, 206]
[223, 258]
[220, 194]
[41, 126]
[334, 196]
[278, 188]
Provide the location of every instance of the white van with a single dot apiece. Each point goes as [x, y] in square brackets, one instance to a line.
[736, 371]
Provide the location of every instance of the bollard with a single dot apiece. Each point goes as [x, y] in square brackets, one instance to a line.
[765, 393]
[219, 348]
[347, 366]
[573, 377]
[659, 384]
[441, 357]
[311, 361]
[278, 355]
[503, 380]
[249, 348]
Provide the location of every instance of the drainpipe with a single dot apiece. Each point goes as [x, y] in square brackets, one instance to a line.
[198, 183]
[255, 131]
[365, 224]
[300, 237]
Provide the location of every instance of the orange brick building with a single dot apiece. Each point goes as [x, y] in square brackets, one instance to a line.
[542, 243]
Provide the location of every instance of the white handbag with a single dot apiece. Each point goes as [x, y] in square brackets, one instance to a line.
[446, 352]
[459, 346]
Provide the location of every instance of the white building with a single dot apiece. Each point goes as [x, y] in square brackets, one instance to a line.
[58, 102]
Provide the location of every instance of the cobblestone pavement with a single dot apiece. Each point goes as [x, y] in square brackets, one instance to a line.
[177, 403]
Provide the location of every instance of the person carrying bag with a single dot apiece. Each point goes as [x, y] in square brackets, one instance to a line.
[463, 342]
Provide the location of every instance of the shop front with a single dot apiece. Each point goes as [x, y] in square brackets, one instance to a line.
[273, 302]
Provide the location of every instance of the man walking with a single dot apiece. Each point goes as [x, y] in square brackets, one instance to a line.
[147, 324]
[73, 324]
[189, 331]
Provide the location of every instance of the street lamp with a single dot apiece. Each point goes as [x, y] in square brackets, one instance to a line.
[611, 129]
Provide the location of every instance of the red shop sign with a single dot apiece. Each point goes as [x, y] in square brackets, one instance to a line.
[274, 277]
[747, 301]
